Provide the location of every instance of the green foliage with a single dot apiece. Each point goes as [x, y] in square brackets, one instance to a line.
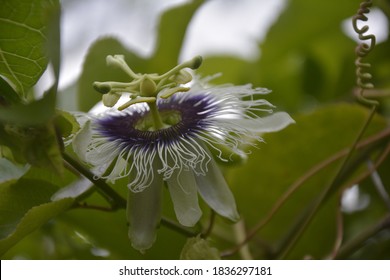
[20, 114]
[34, 218]
[259, 186]
[305, 59]
[314, 61]
[25, 206]
[23, 29]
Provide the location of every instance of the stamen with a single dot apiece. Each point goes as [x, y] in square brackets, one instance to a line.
[168, 93]
[193, 64]
[102, 87]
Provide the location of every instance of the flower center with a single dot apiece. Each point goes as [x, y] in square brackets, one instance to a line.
[181, 118]
[168, 117]
[148, 88]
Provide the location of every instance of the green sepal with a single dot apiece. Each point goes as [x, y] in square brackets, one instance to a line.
[197, 248]
[66, 123]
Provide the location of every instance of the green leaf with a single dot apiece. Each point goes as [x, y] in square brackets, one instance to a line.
[8, 96]
[54, 241]
[34, 218]
[36, 145]
[53, 178]
[233, 69]
[25, 206]
[27, 129]
[16, 199]
[36, 112]
[286, 157]
[54, 38]
[23, 29]
[171, 34]
[45, 152]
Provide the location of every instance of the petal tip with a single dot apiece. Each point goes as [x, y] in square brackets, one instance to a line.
[141, 242]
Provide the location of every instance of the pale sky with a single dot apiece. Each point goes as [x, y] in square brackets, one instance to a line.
[220, 26]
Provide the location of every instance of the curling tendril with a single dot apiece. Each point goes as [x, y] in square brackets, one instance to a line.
[362, 50]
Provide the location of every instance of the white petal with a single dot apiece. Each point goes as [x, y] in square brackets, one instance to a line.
[275, 122]
[118, 168]
[184, 193]
[73, 190]
[144, 214]
[214, 190]
[272, 123]
[81, 141]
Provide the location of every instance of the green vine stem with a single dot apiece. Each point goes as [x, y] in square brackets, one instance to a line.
[189, 232]
[210, 225]
[116, 201]
[382, 156]
[353, 245]
[339, 228]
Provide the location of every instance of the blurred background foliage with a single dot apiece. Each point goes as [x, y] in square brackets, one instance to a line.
[308, 62]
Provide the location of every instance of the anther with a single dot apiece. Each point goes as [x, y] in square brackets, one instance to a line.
[193, 64]
[102, 87]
